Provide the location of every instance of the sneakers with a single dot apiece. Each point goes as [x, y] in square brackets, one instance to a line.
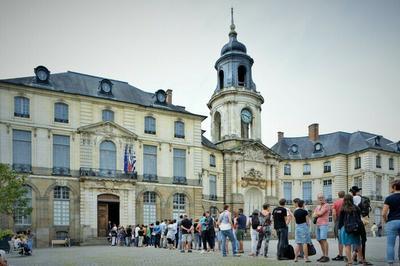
[182, 251]
[338, 258]
[324, 259]
[236, 255]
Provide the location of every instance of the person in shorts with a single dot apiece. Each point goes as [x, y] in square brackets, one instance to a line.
[321, 214]
[241, 223]
[336, 208]
[186, 228]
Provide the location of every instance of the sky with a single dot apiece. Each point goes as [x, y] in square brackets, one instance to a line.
[336, 63]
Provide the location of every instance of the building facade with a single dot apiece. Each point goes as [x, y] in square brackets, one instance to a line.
[72, 133]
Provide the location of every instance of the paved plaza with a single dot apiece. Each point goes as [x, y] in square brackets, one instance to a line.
[106, 255]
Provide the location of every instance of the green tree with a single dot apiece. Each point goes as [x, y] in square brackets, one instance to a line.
[12, 192]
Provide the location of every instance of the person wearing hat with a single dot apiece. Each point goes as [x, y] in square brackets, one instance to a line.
[357, 199]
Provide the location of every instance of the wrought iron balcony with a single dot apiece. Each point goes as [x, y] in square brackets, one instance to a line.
[22, 168]
[212, 197]
[60, 120]
[150, 178]
[180, 180]
[106, 173]
[17, 114]
[61, 171]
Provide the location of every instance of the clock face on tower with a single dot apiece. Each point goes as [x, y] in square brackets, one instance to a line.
[246, 116]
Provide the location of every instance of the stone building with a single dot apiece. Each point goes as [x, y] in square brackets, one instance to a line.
[71, 132]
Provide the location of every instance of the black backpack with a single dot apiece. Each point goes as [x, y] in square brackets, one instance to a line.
[365, 206]
[352, 223]
[255, 222]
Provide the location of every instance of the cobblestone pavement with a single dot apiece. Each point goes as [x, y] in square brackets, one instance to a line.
[106, 255]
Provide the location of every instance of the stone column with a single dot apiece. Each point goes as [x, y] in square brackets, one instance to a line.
[227, 179]
[274, 181]
[43, 222]
[269, 179]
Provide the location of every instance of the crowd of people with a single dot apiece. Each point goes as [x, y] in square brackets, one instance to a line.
[350, 213]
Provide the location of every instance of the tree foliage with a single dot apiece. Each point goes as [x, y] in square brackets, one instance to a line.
[12, 192]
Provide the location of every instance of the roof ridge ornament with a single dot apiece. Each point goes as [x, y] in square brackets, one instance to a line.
[232, 33]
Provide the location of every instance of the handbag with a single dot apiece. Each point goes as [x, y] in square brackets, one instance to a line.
[311, 249]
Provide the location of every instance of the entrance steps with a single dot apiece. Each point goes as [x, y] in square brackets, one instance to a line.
[95, 241]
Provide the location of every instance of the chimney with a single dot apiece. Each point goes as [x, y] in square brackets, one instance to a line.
[313, 132]
[280, 135]
[169, 96]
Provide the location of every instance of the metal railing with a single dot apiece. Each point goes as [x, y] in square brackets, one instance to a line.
[61, 171]
[181, 180]
[106, 173]
[150, 178]
[22, 168]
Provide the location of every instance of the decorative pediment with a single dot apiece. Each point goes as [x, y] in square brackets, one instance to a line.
[108, 129]
[253, 174]
[256, 151]
[255, 178]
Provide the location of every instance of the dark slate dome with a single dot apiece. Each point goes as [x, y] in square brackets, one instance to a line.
[233, 45]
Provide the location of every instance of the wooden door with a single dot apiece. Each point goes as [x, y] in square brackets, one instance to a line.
[102, 219]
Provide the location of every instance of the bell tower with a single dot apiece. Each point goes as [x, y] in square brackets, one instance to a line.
[235, 106]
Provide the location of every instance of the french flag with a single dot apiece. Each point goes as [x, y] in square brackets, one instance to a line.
[131, 161]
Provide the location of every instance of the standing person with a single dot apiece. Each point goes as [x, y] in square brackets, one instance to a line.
[379, 229]
[197, 234]
[349, 215]
[157, 235]
[374, 228]
[114, 233]
[137, 229]
[281, 221]
[264, 229]
[163, 239]
[171, 231]
[30, 236]
[254, 222]
[203, 228]
[178, 226]
[365, 206]
[321, 215]
[128, 236]
[210, 231]
[186, 229]
[242, 223]
[337, 206]
[225, 226]
[391, 216]
[302, 231]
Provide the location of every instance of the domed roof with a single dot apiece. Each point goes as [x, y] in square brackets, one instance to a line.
[233, 45]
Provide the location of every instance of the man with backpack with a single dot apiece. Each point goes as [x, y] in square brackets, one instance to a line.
[364, 204]
[254, 222]
[281, 221]
[264, 229]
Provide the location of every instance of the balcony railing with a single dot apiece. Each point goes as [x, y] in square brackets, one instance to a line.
[308, 202]
[106, 173]
[61, 171]
[180, 180]
[212, 197]
[22, 168]
[377, 197]
[21, 115]
[150, 178]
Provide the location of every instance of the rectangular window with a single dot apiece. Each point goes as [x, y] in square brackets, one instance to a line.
[378, 161]
[212, 160]
[22, 151]
[357, 181]
[391, 164]
[61, 112]
[327, 190]
[213, 187]
[327, 167]
[179, 129]
[21, 107]
[286, 169]
[21, 217]
[179, 164]
[61, 212]
[378, 188]
[149, 163]
[307, 192]
[357, 163]
[306, 169]
[287, 191]
[61, 156]
[149, 125]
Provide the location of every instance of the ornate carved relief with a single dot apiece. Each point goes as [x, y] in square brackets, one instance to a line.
[254, 154]
[254, 177]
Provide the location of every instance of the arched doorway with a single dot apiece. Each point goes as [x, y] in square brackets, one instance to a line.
[253, 199]
[107, 210]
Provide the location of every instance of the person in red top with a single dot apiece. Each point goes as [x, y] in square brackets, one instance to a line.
[321, 218]
[337, 206]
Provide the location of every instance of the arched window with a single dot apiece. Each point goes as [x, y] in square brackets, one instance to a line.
[179, 129]
[107, 158]
[221, 79]
[149, 125]
[61, 112]
[149, 207]
[61, 206]
[22, 217]
[242, 76]
[217, 126]
[21, 106]
[108, 115]
[179, 204]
